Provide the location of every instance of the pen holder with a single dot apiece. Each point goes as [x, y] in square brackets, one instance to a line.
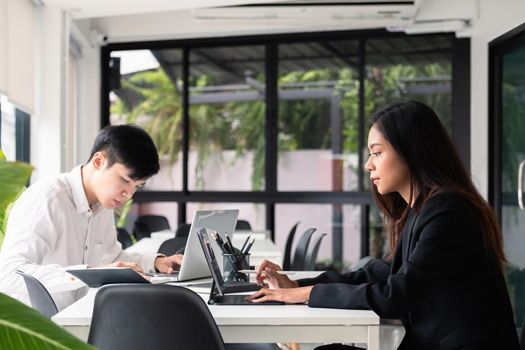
[232, 263]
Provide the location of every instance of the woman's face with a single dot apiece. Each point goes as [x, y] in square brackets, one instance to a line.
[388, 171]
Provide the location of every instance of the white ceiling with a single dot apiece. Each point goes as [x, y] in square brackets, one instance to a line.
[132, 20]
[104, 8]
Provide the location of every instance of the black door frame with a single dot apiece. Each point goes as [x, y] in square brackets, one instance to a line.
[497, 48]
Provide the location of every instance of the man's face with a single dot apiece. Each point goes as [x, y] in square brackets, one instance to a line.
[113, 185]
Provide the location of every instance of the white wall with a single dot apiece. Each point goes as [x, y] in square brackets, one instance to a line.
[88, 117]
[496, 18]
[45, 122]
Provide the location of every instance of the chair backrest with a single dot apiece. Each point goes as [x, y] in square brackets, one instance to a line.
[173, 246]
[183, 230]
[243, 225]
[288, 248]
[300, 250]
[146, 224]
[40, 298]
[124, 238]
[311, 256]
[133, 316]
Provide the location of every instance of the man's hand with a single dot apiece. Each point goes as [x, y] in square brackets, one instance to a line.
[125, 264]
[168, 264]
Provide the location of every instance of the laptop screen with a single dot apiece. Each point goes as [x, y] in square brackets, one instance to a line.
[222, 221]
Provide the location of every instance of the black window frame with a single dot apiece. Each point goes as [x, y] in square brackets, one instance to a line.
[270, 195]
[497, 48]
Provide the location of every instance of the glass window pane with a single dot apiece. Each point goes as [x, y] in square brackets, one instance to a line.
[408, 68]
[227, 118]
[325, 218]
[146, 88]
[317, 122]
[8, 128]
[254, 213]
[379, 245]
[167, 209]
[512, 154]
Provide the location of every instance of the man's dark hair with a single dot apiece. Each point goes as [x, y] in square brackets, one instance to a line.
[129, 145]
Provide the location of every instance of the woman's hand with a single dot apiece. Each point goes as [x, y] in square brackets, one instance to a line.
[289, 295]
[268, 274]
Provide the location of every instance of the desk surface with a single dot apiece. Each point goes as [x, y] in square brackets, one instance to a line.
[269, 323]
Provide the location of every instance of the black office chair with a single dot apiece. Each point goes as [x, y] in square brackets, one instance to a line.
[172, 246]
[337, 347]
[146, 224]
[288, 248]
[243, 225]
[40, 298]
[311, 255]
[301, 249]
[124, 238]
[136, 316]
[183, 230]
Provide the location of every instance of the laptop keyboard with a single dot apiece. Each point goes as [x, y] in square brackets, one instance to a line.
[238, 287]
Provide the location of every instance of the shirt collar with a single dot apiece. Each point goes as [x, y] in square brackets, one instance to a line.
[77, 190]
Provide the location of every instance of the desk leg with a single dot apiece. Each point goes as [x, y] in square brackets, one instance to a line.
[373, 337]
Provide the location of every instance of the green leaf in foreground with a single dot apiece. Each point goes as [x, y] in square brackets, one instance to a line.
[24, 328]
[13, 177]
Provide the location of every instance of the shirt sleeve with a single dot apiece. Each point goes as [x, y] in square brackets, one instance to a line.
[444, 245]
[374, 270]
[26, 244]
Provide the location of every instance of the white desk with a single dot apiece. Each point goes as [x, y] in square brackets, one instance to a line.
[263, 248]
[260, 324]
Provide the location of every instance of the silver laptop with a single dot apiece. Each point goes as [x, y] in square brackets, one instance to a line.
[194, 264]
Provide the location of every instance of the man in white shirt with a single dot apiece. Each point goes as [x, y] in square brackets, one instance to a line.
[68, 221]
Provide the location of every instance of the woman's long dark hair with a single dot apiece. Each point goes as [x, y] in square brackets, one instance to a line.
[415, 132]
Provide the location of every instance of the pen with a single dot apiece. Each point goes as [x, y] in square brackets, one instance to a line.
[226, 248]
[245, 242]
[247, 250]
[217, 239]
[230, 243]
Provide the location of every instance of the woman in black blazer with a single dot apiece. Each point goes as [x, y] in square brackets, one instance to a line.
[444, 279]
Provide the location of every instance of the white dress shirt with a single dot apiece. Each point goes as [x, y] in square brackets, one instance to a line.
[51, 228]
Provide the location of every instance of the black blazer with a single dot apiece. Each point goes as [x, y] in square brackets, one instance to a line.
[448, 292]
